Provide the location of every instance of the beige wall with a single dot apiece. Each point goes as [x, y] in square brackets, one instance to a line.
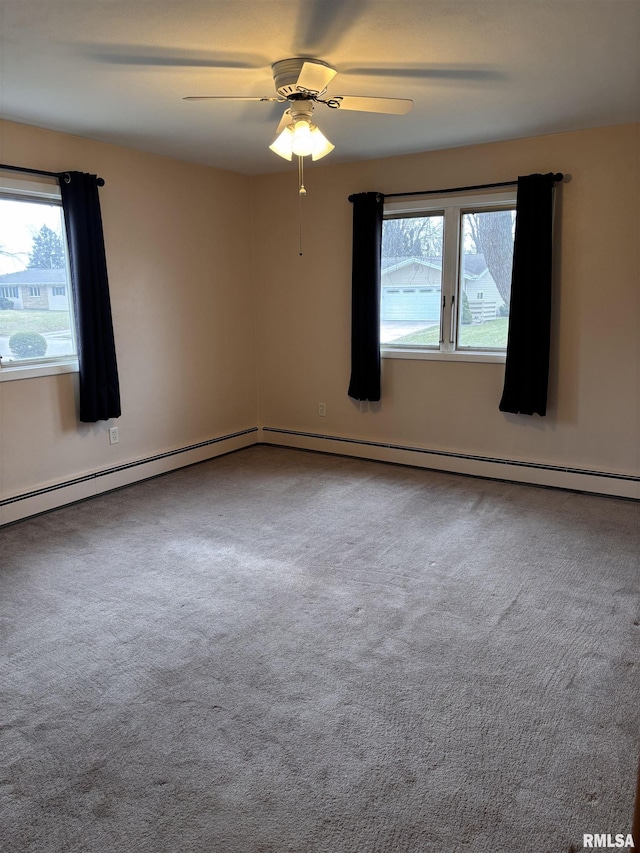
[190, 249]
[304, 309]
[178, 257]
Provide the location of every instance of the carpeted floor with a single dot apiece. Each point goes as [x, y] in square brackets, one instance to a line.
[284, 651]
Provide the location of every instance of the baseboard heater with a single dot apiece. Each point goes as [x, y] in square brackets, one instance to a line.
[79, 488]
[536, 473]
[88, 485]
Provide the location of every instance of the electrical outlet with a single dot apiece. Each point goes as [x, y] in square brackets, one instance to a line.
[322, 409]
[113, 435]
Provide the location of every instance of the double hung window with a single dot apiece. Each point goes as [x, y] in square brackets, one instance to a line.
[36, 309]
[446, 276]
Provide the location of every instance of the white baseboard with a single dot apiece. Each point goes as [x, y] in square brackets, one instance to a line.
[55, 495]
[574, 479]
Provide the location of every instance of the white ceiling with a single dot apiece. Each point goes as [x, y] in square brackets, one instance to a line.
[477, 71]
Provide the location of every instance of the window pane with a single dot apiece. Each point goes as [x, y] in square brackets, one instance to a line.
[411, 281]
[485, 279]
[35, 307]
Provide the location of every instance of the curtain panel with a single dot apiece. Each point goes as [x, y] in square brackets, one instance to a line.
[99, 385]
[527, 365]
[365, 296]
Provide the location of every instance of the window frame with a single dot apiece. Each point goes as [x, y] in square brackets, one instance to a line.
[452, 207]
[45, 191]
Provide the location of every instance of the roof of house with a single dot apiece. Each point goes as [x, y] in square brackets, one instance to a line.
[35, 276]
[475, 265]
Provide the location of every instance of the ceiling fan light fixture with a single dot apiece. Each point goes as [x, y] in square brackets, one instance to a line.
[301, 138]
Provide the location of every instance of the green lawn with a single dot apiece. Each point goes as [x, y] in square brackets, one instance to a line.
[493, 334]
[33, 321]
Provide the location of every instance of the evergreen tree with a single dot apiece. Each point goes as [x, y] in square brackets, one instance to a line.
[467, 316]
[47, 251]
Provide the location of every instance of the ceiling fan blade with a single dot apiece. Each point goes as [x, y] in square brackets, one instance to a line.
[284, 122]
[135, 54]
[229, 98]
[462, 72]
[391, 106]
[315, 77]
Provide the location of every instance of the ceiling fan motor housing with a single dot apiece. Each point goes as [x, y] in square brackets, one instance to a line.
[286, 73]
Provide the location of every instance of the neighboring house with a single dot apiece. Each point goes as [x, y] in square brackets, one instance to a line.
[410, 289]
[36, 289]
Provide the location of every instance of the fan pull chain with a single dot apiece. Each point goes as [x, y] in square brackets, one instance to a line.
[301, 193]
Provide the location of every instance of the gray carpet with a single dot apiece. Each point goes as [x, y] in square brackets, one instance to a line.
[283, 651]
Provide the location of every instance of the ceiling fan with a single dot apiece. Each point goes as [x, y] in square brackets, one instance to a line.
[302, 83]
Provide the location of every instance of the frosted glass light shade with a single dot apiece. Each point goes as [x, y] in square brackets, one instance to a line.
[283, 145]
[321, 145]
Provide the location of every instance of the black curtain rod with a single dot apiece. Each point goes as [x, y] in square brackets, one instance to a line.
[5, 168]
[558, 176]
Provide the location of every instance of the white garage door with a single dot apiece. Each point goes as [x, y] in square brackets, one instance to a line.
[410, 303]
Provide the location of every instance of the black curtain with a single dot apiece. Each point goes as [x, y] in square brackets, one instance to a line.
[99, 386]
[527, 366]
[365, 298]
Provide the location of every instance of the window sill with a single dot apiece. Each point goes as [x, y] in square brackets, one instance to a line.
[13, 371]
[434, 355]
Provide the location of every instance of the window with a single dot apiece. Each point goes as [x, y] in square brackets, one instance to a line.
[446, 276]
[36, 310]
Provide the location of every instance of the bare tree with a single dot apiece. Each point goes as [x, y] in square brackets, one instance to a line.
[7, 254]
[492, 234]
[412, 237]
